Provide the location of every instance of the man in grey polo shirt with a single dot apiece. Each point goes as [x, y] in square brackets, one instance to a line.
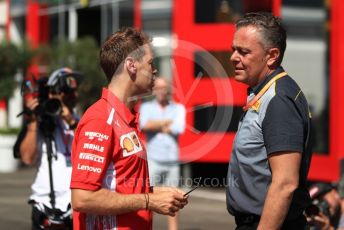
[271, 152]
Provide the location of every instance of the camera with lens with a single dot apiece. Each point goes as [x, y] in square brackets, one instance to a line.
[326, 201]
[63, 80]
[319, 205]
[47, 107]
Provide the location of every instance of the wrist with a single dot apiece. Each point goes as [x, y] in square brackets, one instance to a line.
[29, 118]
[72, 124]
[146, 205]
[162, 125]
[32, 126]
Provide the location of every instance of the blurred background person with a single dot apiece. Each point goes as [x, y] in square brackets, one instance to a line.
[163, 120]
[50, 124]
[325, 212]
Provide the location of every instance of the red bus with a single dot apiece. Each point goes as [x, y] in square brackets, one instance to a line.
[202, 32]
[315, 49]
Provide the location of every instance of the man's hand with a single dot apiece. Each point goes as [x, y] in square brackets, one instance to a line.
[163, 200]
[320, 221]
[66, 113]
[166, 126]
[157, 126]
[31, 103]
[167, 200]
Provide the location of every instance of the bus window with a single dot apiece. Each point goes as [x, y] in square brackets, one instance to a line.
[206, 69]
[227, 11]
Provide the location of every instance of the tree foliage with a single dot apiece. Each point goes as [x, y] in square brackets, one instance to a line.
[81, 55]
[13, 58]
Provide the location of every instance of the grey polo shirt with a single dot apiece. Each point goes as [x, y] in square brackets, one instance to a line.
[281, 122]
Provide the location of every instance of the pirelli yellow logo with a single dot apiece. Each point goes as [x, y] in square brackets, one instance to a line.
[256, 106]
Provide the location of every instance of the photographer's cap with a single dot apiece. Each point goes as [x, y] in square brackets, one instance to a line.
[64, 80]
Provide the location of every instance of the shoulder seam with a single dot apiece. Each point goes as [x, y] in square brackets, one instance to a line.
[110, 117]
[297, 95]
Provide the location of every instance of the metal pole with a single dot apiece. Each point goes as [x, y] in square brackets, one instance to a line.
[115, 16]
[61, 20]
[104, 19]
[73, 24]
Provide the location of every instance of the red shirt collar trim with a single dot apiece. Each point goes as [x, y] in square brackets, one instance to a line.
[128, 115]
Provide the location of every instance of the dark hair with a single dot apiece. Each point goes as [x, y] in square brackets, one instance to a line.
[127, 41]
[273, 34]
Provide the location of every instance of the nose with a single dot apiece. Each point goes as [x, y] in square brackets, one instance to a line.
[234, 56]
[155, 71]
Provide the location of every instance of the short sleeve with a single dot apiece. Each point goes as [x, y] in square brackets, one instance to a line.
[144, 114]
[178, 125]
[282, 126]
[91, 154]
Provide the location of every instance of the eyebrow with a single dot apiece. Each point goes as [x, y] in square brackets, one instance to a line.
[241, 48]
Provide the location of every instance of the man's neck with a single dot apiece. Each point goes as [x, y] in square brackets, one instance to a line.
[122, 90]
[163, 103]
[262, 77]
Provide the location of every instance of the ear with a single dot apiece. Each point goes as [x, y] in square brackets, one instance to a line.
[272, 56]
[129, 64]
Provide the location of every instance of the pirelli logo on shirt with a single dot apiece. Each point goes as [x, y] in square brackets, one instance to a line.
[91, 157]
[130, 144]
[99, 136]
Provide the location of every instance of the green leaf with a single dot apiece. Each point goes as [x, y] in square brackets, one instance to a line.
[81, 55]
[12, 59]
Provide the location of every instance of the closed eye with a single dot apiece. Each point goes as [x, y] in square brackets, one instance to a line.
[241, 51]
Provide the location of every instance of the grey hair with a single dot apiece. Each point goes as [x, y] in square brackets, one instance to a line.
[273, 34]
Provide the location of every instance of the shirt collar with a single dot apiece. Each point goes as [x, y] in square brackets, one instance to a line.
[255, 89]
[128, 115]
[168, 103]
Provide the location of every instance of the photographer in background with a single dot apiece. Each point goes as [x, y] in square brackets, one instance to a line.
[51, 117]
[325, 211]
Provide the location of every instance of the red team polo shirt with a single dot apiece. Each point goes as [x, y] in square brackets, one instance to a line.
[108, 153]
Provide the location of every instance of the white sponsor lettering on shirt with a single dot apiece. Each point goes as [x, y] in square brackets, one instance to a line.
[89, 168]
[94, 147]
[91, 157]
[100, 136]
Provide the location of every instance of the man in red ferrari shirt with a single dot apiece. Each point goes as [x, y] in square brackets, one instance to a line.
[110, 185]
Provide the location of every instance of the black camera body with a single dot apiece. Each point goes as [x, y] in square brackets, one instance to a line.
[45, 112]
[47, 109]
[47, 106]
[39, 89]
[318, 205]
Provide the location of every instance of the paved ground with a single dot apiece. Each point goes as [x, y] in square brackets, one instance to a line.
[14, 191]
[206, 209]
